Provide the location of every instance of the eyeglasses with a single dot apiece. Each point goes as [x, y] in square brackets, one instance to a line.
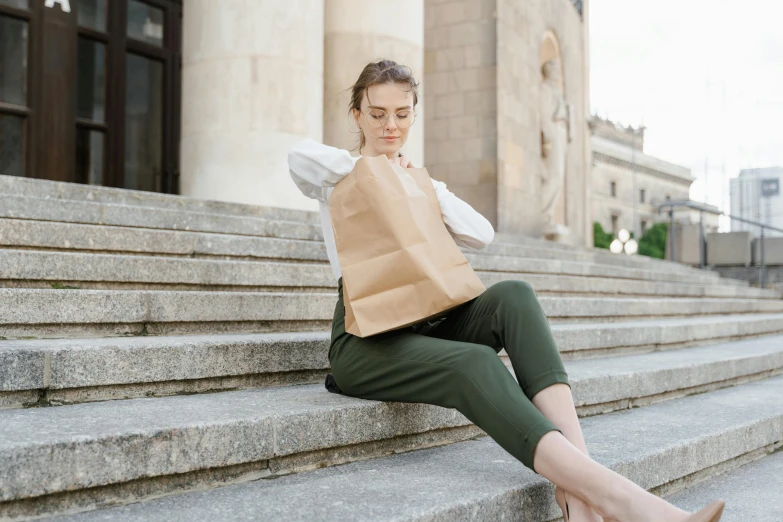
[377, 118]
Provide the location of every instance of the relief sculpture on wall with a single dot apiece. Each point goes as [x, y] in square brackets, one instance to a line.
[556, 133]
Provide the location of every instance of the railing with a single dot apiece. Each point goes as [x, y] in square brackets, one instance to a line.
[702, 242]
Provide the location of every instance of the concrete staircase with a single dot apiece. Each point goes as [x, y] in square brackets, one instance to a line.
[159, 355]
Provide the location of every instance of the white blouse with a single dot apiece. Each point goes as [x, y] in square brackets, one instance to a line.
[316, 168]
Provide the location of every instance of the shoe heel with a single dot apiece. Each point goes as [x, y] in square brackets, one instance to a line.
[561, 502]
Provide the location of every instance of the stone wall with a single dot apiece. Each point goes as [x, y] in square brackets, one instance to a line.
[752, 274]
[460, 67]
[357, 32]
[626, 135]
[521, 27]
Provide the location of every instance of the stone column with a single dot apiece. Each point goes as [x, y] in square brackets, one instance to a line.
[357, 32]
[252, 86]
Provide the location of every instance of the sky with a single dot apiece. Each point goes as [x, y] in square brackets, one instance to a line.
[705, 77]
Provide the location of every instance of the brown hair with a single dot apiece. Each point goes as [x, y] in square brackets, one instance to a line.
[384, 71]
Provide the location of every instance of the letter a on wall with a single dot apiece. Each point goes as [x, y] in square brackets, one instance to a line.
[65, 5]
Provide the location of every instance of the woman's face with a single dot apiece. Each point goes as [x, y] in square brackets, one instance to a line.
[388, 138]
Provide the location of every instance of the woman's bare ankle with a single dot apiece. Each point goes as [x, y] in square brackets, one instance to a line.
[580, 510]
[632, 502]
[617, 505]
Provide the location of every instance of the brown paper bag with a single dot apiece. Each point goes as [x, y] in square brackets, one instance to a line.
[400, 265]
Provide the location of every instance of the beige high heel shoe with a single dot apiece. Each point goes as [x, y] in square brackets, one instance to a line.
[561, 501]
[710, 513]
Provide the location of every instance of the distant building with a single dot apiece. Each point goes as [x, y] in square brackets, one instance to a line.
[618, 153]
[749, 202]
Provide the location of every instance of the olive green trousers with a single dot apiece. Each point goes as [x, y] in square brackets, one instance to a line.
[454, 363]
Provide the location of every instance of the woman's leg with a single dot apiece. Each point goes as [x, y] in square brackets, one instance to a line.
[557, 405]
[509, 315]
[407, 367]
[614, 497]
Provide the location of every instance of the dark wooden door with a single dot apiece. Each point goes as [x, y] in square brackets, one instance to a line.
[100, 101]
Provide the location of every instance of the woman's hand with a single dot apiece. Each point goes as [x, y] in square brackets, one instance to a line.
[403, 162]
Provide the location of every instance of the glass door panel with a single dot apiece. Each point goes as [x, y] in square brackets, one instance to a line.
[11, 145]
[13, 60]
[144, 123]
[89, 156]
[92, 14]
[91, 90]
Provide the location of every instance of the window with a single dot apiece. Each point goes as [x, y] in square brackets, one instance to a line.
[641, 195]
[145, 23]
[143, 129]
[128, 52]
[15, 22]
[643, 226]
[615, 220]
[92, 14]
[108, 113]
[613, 189]
[668, 197]
[21, 4]
[90, 110]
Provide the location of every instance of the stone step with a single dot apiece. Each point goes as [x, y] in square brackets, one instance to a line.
[600, 255]
[37, 188]
[80, 270]
[158, 446]
[564, 266]
[30, 234]
[80, 313]
[55, 371]
[70, 211]
[37, 269]
[307, 251]
[593, 340]
[517, 239]
[53, 190]
[52, 235]
[751, 492]
[43, 200]
[597, 256]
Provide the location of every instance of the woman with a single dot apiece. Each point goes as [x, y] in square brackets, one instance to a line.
[453, 362]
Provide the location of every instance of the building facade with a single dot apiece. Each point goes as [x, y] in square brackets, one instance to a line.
[205, 98]
[89, 91]
[757, 195]
[628, 185]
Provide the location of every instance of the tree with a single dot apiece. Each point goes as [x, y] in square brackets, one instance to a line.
[653, 242]
[601, 239]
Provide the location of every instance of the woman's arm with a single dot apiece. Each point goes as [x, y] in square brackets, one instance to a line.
[467, 227]
[314, 166]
